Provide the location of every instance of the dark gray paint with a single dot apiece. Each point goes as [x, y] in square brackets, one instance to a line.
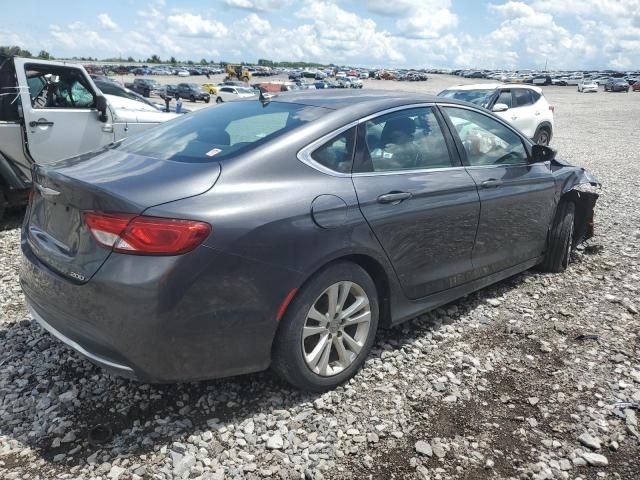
[212, 312]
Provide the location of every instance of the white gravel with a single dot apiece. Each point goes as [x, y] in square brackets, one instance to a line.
[499, 385]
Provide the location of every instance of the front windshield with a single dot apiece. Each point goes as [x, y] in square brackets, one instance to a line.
[479, 97]
[220, 132]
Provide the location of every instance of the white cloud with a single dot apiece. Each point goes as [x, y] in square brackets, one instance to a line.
[427, 23]
[191, 25]
[106, 22]
[258, 5]
[570, 34]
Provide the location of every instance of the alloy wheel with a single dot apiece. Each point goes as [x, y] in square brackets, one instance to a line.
[336, 328]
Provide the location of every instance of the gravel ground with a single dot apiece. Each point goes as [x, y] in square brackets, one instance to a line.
[517, 381]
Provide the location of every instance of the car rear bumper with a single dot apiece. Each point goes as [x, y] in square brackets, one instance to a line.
[164, 319]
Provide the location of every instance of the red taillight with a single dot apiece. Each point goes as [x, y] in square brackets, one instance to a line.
[139, 235]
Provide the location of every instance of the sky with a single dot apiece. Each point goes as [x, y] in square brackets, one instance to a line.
[498, 34]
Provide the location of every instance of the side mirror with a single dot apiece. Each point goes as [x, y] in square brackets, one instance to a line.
[542, 153]
[101, 106]
[500, 107]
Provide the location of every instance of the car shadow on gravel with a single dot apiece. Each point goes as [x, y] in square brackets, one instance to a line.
[63, 397]
[13, 219]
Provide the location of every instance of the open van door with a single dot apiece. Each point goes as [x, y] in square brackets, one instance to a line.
[60, 108]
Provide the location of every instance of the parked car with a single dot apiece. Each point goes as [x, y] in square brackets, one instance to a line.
[182, 73]
[141, 71]
[542, 80]
[560, 81]
[524, 106]
[192, 91]
[355, 82]
[574, 79]
[616, 85]
[115, 90]
[636, 86]
[212, 88]
[232, 93]
[586, 86]
[53, 110]
[337, 213]
[144, 86]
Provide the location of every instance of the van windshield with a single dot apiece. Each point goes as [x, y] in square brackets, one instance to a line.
[221, 131]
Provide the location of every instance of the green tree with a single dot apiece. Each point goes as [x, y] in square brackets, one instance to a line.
[130, 59]
[173, 60]
[204, 62]
[44, 55]
[154, 59]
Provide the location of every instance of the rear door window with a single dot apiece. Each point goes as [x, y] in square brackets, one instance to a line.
[521, 97]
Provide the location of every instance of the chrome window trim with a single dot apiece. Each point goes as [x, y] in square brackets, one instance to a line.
[502, 165]
[406, 172]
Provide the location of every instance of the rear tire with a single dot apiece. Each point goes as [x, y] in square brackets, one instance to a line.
[293, 357]
[207, 100]
[542, 136]
[560, 244]
[219, 100]
[3, 202]
[193, 98]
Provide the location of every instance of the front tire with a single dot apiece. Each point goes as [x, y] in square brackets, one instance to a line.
[328, 329]
[560, 245]
[193, 98]
[219, 100]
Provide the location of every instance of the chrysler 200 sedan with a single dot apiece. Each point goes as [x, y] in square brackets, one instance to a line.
[285, 233]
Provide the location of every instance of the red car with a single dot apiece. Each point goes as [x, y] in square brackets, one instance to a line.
[636, 86]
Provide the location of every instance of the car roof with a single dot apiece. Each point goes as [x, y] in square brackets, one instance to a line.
[363, 99]
[494, 86]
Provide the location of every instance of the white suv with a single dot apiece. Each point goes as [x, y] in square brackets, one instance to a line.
[524, 106]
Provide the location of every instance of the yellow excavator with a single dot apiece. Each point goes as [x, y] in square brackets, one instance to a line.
[237, 72]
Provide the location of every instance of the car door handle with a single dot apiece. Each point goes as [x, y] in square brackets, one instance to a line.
[40, 123]
[491, 183]
[394, 197]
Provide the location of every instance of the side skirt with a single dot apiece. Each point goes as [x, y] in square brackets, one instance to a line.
[403, 310]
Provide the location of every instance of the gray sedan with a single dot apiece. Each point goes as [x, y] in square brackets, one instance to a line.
[284, 233]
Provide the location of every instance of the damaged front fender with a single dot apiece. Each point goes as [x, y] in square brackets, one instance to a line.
[581, 187]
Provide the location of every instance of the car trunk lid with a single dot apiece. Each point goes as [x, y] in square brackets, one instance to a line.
[109, 182]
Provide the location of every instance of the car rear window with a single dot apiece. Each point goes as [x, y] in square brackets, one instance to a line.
[220, 132]
[479, 97]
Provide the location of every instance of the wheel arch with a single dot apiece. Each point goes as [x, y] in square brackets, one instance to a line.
[584, 203]
[373, 267]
